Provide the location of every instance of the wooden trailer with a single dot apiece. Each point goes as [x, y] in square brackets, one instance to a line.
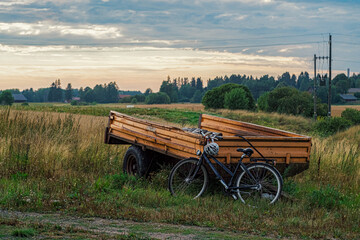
[151, 141]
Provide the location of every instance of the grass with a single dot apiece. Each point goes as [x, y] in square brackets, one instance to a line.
[181, 116]
[58, 162]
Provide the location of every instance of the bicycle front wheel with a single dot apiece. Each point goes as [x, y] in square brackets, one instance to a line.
[183, 180]
[266, 178]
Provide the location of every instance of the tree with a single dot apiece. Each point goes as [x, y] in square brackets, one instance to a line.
[148, 91]
[236, 99]
[6, 98]
[215, 98]
[262, 102]
[290, 100]
[199, 84]
[157, 98]
[68, 93]
[55, 93]
[170, 89]
[112, 92]
[197, 97]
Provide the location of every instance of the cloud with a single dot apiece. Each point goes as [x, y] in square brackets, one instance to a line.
[47, 28]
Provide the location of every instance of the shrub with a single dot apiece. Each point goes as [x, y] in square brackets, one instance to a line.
[157, 98]
[291, 101]
[139, 98]
[25, 104]
[125, 100]
[215, 98]
[134, 100]
[326, 197]
[74, 103]
[6, 98]
[328, 126]
[352, 115]
[262, 102]
[236, 99]
[322, 109]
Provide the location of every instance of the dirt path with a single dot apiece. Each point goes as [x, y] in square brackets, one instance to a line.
[55, 226]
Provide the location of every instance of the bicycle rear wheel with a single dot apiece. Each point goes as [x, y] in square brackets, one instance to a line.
[269, 183]
[184, 181]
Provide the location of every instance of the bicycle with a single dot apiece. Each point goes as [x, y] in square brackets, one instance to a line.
[258, 181]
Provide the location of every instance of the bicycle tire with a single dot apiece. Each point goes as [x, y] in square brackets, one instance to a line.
[179, 176]
[270, 182]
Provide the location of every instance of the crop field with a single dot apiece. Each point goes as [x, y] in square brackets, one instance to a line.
[338, 109]
[53, 159]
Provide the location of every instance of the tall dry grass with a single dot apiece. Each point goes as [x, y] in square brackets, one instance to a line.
[55, 146]
[336, 160]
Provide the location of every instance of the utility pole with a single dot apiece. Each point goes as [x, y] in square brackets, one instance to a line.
[329, 92]
[315, 115]
[329, 95]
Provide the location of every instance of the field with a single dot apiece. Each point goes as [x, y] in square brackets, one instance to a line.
[52, 159]
[338, 109]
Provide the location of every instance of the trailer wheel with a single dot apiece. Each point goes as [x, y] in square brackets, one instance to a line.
[136, 162]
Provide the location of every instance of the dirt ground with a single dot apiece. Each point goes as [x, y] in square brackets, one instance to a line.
[17, 225]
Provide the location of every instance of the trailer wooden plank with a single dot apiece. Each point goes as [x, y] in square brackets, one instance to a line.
[249, 126]
[182, 135]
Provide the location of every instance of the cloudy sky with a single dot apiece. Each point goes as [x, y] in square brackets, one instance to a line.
[139, 43]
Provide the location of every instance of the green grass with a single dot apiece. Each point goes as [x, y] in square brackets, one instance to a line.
[58, 162]
[176, 116]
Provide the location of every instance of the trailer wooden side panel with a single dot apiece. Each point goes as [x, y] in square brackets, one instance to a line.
[172, 141]
[285, 147]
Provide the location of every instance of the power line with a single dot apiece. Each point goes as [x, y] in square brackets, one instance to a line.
[260, 45]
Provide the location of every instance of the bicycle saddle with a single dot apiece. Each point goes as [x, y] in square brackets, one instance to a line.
[247, 151]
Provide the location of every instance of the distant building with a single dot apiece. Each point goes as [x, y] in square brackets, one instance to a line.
[123, 96]
[348, 97]
[76, 99]
[19, 98]
[353, 90]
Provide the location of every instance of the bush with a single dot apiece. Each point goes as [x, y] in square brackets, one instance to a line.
[157, 98]
[322, 109]
[125, 100]
[326, 197]
[215, 98]
[6, 98]
[291, 101]
[25, 104]
[328, 126]
[139, 98]
[236, 99]
[134, 100]
[262, 102]
[352, 115]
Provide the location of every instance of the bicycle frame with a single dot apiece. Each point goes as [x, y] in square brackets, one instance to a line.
[228, 186]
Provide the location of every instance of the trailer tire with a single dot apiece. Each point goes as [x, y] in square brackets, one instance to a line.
[136, 162]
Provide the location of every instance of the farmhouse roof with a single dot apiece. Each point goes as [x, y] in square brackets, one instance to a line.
[353, 90]
[348, 97]
[19, 97]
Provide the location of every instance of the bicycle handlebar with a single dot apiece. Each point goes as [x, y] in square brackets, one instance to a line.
[211, 135]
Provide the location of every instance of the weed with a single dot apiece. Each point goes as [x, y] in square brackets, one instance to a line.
[26, 233]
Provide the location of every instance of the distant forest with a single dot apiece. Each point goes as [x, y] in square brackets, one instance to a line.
[189, 90]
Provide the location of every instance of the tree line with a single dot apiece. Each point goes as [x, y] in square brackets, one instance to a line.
[189, 89]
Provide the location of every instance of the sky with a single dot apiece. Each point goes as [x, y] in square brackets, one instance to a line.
[139, 43]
